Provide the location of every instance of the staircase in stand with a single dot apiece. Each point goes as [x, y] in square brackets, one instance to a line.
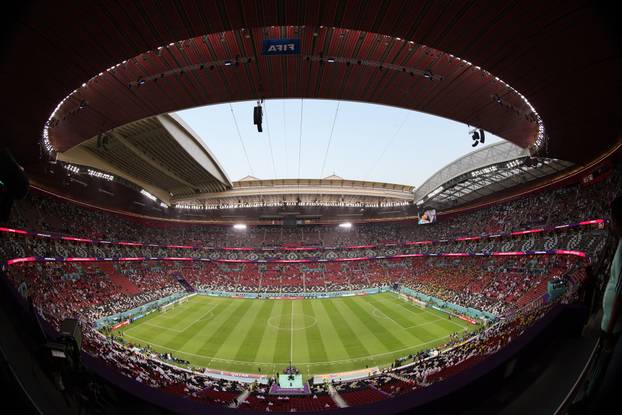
[119, 279]
[240, 399]
[339, 401]
[182, 281]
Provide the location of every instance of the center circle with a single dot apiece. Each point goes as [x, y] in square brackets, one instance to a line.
[297, 321]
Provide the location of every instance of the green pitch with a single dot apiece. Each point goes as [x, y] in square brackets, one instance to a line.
[317, 335]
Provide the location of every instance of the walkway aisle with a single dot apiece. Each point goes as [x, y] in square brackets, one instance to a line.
[339, 401]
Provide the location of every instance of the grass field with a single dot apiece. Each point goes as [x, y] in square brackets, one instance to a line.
[317, 335]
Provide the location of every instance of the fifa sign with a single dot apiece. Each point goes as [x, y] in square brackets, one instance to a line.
[281, 47]
[287, 47]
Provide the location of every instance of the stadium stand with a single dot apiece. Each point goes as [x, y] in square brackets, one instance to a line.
[531, 211]
[510, 286]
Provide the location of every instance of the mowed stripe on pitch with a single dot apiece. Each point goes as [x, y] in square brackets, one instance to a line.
[424, 330]
[216, 336]
[453, 325]
[409, 330]
[403, 319]
[190, 340]
[420, 329]
[211, 334]
[162, 331]
[375, 327]
[350, 339]
[333, 346]
[316, 346]
[249, 346]
[158, 336]
[281, 351]
[265, 351]
[230, 346]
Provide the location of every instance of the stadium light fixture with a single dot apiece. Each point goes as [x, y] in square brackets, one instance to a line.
[71, 168]
[239, 226]
[330, 60]
[147, 195]
[100, 175]
[346, 225]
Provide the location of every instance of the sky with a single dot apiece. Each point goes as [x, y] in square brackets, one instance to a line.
[368, 141]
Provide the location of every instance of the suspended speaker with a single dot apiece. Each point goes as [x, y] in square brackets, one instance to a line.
[257, 117]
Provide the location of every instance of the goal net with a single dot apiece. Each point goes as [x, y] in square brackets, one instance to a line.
[173, 304]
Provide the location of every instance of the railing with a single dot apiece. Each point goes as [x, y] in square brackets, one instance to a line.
[599, 268]
[580, 382]
[580, 254]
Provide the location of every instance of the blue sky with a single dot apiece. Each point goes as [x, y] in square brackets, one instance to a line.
[369, 142]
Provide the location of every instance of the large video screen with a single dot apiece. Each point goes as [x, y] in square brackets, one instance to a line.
[428, 216]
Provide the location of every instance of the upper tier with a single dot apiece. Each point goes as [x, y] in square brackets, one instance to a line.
[570, 204]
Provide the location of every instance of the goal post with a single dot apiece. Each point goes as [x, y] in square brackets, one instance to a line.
[167, 307]
[174, 303]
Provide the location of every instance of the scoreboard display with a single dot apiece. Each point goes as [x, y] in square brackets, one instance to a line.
[428, 216]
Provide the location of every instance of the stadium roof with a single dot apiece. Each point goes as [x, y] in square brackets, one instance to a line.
[330, 191]
[160, 154]
[482, 172]
[71, 73]
[229, 66]
[539, 48]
